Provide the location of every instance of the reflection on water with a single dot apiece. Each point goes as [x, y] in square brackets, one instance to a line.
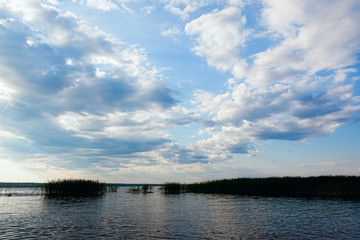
[121, 215]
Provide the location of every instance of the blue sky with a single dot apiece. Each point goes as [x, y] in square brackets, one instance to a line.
[155, 91]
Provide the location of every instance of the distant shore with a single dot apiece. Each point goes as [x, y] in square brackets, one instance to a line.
[36, 185]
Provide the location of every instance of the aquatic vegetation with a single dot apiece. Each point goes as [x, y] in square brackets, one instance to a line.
[172, 188]
[146, 188]
[322, 186]
[111, 187]
[134, 189]
[74, 188]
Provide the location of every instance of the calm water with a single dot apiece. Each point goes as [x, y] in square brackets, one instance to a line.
[121, 215]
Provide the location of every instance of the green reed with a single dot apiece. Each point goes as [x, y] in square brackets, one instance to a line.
[322, 186]
[173, 188]
[146, 188]
[111, 187]
[136, 189]
[74, 188]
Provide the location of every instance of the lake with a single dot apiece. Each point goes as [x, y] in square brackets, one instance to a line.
[121, 215]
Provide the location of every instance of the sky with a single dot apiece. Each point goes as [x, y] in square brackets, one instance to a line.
[135, 91]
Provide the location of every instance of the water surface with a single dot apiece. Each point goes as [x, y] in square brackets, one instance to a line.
[121, 215]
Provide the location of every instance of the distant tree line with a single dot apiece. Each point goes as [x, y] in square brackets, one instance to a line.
[20, 185]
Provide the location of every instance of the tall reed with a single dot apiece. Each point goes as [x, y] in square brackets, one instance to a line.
[172, 188]
[322, 186]
[146, 188]
[74, 188]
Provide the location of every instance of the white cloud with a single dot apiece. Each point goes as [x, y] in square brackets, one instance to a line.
[148, 9]
[104, 5]
[237, 3]
[107, 108]
[92, 92]
[183, 8]
[172, 33]
[6, 93]
[341, 74]
[124, 6]
[310, 33]
[219, 36]
[10, 135]
[279, 93]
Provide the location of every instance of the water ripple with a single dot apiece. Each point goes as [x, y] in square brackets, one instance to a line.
[121, 215]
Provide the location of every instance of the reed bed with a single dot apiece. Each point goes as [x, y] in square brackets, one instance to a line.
[74, 188]
[146, 188]
[319, 187]
[111, 187]
[173, 188]
[136, 189]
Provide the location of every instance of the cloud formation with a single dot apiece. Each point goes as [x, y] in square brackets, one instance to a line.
[219, 35]
[105, 5]
[75, 97]
[66, 86]
[183, 8]
[300, 87]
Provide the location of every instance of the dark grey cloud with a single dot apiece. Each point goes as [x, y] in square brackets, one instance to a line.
[241, 148]
[291, 134]
[311, 105]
